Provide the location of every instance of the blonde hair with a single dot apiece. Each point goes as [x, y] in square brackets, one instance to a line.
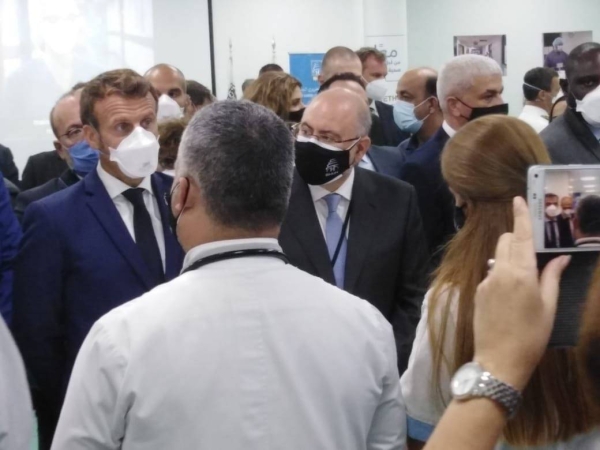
[486, 164]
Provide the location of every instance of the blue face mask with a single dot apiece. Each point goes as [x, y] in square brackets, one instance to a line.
[404, 116]
[84, 157]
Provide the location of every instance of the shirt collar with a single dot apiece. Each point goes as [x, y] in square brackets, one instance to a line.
[448, 129]
[116, 187]
[214, 248]
[345, 190]
[533, 110]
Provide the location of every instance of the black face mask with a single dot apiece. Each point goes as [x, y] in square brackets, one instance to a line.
[317, 165]
[485, 111]
[296, 116]
[459, 217]
[172, 219]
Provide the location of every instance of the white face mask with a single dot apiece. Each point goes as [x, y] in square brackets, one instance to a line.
[552, 210]
[168, 109]
[568, 212]
[377, 89]
[589, 107]
[137, 154]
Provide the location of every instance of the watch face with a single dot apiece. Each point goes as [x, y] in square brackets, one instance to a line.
[465, 380]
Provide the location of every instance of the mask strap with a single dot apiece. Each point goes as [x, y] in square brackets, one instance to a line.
[533, 87]
[427, 116]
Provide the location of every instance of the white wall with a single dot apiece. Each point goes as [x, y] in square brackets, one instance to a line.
[304, 26]
[432, 24]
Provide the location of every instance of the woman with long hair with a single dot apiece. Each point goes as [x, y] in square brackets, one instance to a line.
[485, 165]
[279, 92]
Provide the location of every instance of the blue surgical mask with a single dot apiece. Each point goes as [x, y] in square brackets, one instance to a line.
[404, 116]
[84, 157]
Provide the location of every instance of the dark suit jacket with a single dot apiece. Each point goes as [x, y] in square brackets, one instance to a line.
[10, 236]
[570, 141]
[384, 131]
[565, 236]
[77, 262]
[423, 170]
[41, 168]
[387, 254]
[387, 160]
[68, 178]
[7, 166]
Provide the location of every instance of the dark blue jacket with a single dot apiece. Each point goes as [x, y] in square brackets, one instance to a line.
[10, 236]
[423, 170]
[387, 160]
[77, 262]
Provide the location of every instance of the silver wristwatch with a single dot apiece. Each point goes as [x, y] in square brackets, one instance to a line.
[472, 381]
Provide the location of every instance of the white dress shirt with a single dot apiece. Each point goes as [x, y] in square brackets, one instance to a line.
[319, 193]
[448, 129]
[425, 404]
[535, 116]
[115, 189]
[247, 353]
[367, 163]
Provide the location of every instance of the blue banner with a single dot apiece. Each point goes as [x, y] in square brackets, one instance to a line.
[306, 68]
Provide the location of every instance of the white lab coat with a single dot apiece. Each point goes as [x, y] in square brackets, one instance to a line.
[246, 353]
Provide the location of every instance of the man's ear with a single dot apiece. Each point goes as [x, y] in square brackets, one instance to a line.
[321, 79]
[362, 148]
[92, 137]
[452, 106]
[435, 105]
[179, 195]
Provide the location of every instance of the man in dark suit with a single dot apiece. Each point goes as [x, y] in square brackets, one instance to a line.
[574, 137]
[10, 236]
[381, 159]
[469, 86]
[353, 227]
[558, 226]
[7, 166]
[65, 120]
[96, 244]
[41, 168]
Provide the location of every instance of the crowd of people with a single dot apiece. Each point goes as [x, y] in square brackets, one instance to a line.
[181, 272]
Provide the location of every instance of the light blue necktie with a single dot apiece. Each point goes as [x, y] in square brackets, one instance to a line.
[333, 231]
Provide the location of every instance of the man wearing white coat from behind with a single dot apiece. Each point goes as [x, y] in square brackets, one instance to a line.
[242, 351]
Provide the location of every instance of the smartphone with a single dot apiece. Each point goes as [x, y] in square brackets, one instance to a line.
[564, 202]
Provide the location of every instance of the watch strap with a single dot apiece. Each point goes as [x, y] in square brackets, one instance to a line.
[504, 394]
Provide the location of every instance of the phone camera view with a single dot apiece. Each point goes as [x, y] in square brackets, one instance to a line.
[572, 209]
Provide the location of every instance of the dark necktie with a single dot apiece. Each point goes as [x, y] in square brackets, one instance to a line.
[553, 236]
[144, 234]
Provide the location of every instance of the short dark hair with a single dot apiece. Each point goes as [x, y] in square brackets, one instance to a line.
[170, 67]
[366, 52]
[588, 215]
[577, 55]
[347, 76]
[199, 94]
[550, 194]
[123, 82]
[270, 68]
[541, 78]
[242, 157]
[335, 53]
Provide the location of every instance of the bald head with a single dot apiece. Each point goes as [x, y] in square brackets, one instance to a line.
[341, 110]
[339, 60]
[418, 84]
[168, 80]
[352, 86]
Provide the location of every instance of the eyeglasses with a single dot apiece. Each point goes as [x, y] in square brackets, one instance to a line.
[73, 134]
[297, 130]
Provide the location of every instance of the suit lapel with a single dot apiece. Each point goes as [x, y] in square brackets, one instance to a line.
[173, 251]
[582, 132]
[362, 221]
[106, 213]
[374, 159]
[303, 222]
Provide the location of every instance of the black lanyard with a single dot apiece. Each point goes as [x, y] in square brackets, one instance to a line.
[342, 237]
[236, 254]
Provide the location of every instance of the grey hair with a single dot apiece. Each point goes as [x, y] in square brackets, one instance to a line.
[458, 76]
[242, 157]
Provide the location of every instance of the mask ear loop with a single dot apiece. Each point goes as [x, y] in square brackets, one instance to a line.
[427, 116]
